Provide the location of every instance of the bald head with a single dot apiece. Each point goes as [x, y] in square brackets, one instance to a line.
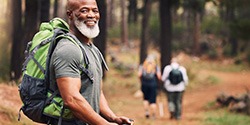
[74, 4]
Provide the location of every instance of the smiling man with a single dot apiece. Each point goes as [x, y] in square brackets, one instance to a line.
[82, 91]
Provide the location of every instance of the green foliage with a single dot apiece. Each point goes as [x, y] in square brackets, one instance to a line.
[212, 54]
[114, 32]
[212, 79]
[178, 31]
[195, 5]
[154, 26]
[134, 31]
[227, 50]
[225, 118]
[248, 57]
[241, 29]
[210, 105]
[211, 25]
[178, 28]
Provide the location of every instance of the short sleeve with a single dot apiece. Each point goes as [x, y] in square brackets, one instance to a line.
[66, 59]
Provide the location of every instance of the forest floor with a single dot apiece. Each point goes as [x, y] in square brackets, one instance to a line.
[194, 103]
[123, 100]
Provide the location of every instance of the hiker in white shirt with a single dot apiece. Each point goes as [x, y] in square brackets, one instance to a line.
[176, 88]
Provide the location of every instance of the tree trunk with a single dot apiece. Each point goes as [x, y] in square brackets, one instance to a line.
[165, 32]
[32, 14]
[188, 32]
[232, 40]
[62, 9]
[145, 28]
[55, 8]
[110, 15]
[132, 15]
[45, 7]
[15, 69]
[196, 34]
[101, 41]
[124, 25]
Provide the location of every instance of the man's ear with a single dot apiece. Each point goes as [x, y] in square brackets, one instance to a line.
[69, 14]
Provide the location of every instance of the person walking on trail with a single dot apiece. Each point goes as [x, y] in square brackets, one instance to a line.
[175, 80]
[83, 96]
[149, 74]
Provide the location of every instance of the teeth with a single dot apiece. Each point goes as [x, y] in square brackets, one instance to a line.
[90, 22]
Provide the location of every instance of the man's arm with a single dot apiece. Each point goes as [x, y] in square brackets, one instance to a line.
[105, 110]
[69, 89]
[108, 114]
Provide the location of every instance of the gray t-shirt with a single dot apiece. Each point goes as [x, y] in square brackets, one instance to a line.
[65, 62]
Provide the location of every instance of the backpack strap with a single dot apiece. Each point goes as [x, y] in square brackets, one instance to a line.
[85, 66]
[75, 40]
[30, 54]
[103, 60]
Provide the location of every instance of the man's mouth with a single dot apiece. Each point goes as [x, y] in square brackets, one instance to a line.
[90, 22]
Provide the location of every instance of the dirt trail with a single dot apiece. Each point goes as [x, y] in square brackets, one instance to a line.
[194, 101]
[230, 83]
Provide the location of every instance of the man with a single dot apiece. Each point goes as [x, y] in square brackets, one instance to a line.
[83, 96]
[175, 83]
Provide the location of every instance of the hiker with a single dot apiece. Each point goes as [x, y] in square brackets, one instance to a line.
[83, 96]
[149, 74]
[175, 80]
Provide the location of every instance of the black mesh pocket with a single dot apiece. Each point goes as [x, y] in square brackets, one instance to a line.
[33, 95]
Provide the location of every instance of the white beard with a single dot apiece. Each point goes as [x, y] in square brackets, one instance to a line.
[89, 32]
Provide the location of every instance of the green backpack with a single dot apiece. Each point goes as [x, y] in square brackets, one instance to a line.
[39, 102]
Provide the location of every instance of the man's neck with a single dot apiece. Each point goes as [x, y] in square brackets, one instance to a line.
[81, 37]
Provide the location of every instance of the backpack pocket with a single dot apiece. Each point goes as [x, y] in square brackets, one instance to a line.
[56, 110]
[33, 95]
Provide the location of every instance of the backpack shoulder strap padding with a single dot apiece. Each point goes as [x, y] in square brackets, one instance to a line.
[30, 54]
[84, 67]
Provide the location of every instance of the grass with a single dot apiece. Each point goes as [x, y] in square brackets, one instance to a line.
[223, 66]
[222, 117]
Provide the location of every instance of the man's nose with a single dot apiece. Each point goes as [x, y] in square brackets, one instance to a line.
[91, 14]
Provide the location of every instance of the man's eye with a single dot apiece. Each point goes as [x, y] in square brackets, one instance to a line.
[84, 11]
[95, 11]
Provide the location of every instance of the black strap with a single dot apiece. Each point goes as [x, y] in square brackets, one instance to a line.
[54, 41]
[61, 116]
[103, 60]
[48, 100]
[85, 57]
[33, 52]
[85, 70]
[19, 113]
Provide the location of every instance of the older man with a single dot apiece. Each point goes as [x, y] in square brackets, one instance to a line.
[81, 94]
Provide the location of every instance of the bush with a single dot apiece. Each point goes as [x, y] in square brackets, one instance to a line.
[211, 25]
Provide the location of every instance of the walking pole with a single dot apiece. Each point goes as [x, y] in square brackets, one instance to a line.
[161, 107]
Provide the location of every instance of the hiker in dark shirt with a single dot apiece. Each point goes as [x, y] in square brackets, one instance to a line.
[149, 74]
[174, 84]
[82, 95]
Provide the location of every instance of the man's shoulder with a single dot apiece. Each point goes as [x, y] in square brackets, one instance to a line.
[66, 48]
[168, 67]
[67, 44]
[182, 67]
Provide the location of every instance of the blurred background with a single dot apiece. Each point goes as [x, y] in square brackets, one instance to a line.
[209, 37]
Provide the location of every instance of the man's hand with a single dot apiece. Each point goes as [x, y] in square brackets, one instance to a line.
[123, 121]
